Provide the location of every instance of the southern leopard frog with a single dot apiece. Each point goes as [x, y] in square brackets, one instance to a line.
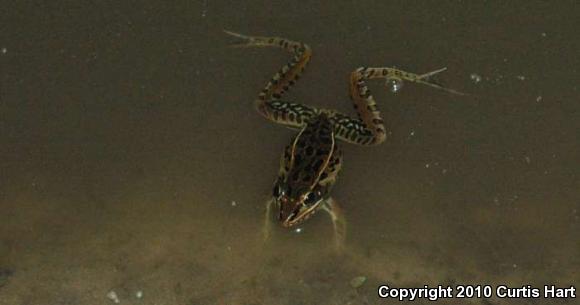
[310, 163]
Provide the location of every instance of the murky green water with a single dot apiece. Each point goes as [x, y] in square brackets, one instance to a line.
[132, 159]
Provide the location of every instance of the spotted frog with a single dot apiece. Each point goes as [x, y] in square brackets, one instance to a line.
[310, 163]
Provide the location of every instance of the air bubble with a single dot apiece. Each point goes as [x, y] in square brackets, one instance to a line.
[394, 84]
[476, 78]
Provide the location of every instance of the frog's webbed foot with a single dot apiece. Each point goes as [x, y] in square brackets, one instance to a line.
[244, 41]
[269, 102]
[369, 128]
[338, 222]
[395, 78]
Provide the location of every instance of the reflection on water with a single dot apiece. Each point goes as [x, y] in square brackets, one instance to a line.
[127, 133]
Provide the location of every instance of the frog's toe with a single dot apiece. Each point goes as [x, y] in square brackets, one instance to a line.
[242, 41]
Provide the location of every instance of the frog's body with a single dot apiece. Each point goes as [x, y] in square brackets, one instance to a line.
[311, 162]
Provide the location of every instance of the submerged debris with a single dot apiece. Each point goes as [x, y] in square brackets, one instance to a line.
[112, 295]
[358, 281]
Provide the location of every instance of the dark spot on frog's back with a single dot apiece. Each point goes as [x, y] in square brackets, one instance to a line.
[297, 159]
[300, 143]
[296, 176]
[321, 152]
[326, 140]
[317, 164]
[308, 167]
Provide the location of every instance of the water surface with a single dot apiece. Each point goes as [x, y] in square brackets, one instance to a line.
[133, 160]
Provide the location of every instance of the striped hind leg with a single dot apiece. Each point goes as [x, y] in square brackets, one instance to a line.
[268, 103]
[369, 128]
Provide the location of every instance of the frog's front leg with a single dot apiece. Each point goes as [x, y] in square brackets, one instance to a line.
[369, 128]
[338, 222]
[266, 230]
[268, 103]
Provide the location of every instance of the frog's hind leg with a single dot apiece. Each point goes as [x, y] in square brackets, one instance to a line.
[338, 222]
[268, 103]
[369, 129]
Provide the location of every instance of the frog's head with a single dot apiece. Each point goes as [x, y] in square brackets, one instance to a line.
[308, 170]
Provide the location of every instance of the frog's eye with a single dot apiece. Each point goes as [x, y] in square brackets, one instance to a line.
[311, 198]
